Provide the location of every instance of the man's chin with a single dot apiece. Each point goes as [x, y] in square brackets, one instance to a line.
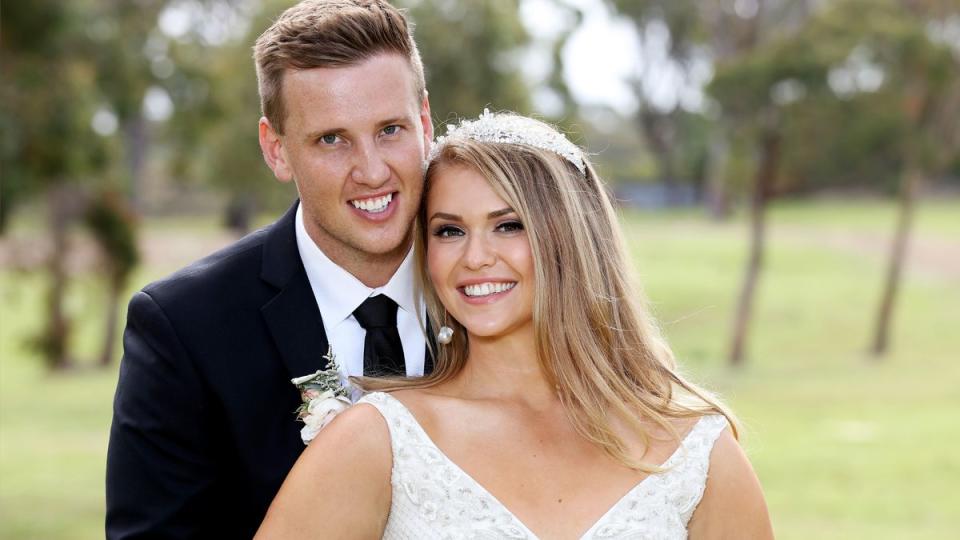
[390, 244]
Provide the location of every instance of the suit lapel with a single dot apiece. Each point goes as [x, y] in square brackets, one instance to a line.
[292, 315]
[294, 321]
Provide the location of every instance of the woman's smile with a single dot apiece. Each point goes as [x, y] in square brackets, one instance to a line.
[486, 291]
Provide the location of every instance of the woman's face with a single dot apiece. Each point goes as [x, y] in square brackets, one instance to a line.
[478, 254]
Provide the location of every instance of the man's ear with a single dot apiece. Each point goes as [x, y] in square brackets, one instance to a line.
[272, 147]
[427, 122]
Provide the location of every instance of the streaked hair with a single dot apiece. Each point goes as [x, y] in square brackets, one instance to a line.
[596, 340]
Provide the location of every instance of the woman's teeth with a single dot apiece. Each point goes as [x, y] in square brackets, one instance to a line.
[375, 206]
[484, 289]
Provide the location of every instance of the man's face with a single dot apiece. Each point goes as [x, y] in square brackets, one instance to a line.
[354, 142]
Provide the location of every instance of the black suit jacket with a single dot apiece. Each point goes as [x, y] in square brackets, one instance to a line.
[204, 429]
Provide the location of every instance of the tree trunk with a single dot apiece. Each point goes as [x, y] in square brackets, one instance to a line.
[240, 212]
[717, 199]
[113, 315]
[898, 255]
[135, 146]
[5, 208]
[658, 132]
[762, 187]
[56, 334]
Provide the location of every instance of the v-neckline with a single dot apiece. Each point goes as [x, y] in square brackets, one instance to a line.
[519, 522]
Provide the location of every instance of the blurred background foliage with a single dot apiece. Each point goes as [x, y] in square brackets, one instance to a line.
[780, 139]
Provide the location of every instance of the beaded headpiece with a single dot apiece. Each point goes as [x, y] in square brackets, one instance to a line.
[511, 129]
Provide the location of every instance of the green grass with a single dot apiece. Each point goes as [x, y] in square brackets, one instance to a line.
[845, 448]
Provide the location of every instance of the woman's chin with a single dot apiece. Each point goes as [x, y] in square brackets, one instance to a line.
[491, 330]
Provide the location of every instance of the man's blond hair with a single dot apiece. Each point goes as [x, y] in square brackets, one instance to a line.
[329, 33]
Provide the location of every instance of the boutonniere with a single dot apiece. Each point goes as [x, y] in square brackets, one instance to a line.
[323, 397]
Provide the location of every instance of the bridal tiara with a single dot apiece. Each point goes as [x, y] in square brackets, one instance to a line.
[511, 129]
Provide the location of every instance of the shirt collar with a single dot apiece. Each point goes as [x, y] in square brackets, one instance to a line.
[339, 292]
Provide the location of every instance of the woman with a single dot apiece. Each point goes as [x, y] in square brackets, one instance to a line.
[555, 409]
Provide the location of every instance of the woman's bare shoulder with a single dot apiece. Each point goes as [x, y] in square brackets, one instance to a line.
[362, 429]
[733, 505]
[361, 424]
[332, 493]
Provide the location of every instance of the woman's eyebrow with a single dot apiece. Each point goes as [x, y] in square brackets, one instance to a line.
[444, 215]
[498, 213]
[453, 217]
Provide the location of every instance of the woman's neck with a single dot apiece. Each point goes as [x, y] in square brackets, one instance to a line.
[504, 368]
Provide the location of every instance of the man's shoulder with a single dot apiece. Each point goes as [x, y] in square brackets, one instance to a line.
[234, 267]
[239, 256]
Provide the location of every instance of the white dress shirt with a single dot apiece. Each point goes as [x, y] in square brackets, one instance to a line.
[339, 293]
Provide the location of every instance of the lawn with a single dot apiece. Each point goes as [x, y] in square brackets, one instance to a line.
[846, 448]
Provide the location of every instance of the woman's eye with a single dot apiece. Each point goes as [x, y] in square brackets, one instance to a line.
[446, 231]
[510, 226]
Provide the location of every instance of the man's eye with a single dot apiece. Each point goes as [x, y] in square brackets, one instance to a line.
[391, 130]
[328, 139]
[446, 231]
[510, 226]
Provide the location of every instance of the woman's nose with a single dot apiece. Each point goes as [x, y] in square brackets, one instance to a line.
[480, 253]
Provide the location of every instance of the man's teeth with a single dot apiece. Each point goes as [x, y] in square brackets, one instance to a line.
[484, 289]
[376, 205]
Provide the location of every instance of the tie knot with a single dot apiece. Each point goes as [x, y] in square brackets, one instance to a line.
[377, 312]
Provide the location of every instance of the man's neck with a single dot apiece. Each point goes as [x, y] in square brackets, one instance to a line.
[373, 270]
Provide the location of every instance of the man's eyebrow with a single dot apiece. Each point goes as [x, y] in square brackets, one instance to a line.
[314, 135]
[392, 121]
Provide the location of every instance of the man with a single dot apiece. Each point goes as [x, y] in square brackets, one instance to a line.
[204, 429]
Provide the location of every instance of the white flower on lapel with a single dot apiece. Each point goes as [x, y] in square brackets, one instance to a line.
[323, 398]
[306, 378]
[320, 412]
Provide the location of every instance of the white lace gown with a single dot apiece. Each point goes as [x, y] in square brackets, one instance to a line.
[433, 498]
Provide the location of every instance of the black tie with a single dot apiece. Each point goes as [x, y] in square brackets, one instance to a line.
[382, 348]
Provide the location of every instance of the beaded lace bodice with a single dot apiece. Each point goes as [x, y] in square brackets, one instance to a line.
[434, 499]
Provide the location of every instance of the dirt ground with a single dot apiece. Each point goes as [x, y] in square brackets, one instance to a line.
[927, 256]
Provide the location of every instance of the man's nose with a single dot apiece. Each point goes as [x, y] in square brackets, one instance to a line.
[370, 167]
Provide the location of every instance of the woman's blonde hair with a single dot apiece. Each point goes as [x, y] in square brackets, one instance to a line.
[595, 339]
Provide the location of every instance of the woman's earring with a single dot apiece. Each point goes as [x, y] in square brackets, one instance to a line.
[445, 335]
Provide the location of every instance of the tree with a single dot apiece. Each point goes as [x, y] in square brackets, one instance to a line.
[49, 149]
[213, 132]
[752, 90]
[681, 40]
[117, 48]
[858, 80]
[676, 28]
[470, 52]
[924, 81]
[112, 222]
